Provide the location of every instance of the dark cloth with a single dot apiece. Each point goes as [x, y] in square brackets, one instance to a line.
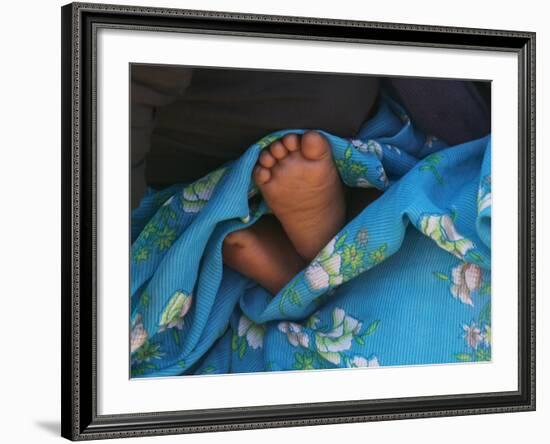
[216, 114]
[456, 111]
[224, 111]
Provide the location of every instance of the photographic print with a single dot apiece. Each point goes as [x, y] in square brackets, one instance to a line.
[299, 221]
[275, 221]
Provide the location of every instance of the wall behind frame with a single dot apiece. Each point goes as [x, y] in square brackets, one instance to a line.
[30, 222]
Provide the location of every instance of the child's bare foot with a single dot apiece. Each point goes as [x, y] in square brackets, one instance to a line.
[301, 185]
[263, 253]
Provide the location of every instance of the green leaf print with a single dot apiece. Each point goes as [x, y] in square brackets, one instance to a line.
[242, 347]
[176, 336]
[141, 254]
[149, 230]
[267, 140]
[482, 354]
[340, 241]
[371, 328]
[234, 342]
[441, 276]
[165, 238]
[434, 171]
[144, 299]
[485, 314]
[476, 257]
[304, 361]
[463, 357]
[486, 288]
[347, 154]
[352, 257]
[166, 214]
[147, 352]
[290, 294]
[378, 255]
[142, 368]
[433, 158]
[357, 169]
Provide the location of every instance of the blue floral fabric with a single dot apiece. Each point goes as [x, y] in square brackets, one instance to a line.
[407, 281]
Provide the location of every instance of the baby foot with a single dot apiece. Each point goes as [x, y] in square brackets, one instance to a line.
[263, 253]
[299, 181]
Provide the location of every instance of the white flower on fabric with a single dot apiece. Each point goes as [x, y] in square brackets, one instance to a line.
[466, 279]
[324, 271]
[442, 230]
[361, 182]
[168, 202]
[393, 148]
[472, 335]
[138, 334]
[344, 328]
[484, 198]
[360, 361]
[175, 311]
[196, 195]
[254, 332]
[382, 176]
[312, 322]
[370, 146]
[296, 336]
[484, 202]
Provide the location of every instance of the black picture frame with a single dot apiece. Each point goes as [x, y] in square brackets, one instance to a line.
[80, 420]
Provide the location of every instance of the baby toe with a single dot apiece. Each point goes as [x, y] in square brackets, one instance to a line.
[267, 160]
[315, 146]
[292, 142]
[278, 150]
[261, 175]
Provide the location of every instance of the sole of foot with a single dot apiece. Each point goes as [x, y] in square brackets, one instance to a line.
[300, 183]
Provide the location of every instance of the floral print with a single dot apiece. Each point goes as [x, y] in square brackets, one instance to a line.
[441, 228]
[477, 337]
[248, 335]
[254, 333]
[472, 335]
[175, 311]
[143, 359]
[325, 270]
[340, 261]
[368, 173]
[484, 194]
[362, 238]
[316, 321]
[138, 334]
[430, 164]
[295, 334]
[352, 257]
[467, 279]
[158, 235]
[197, 195]
[370, 146]
[360, 361]
[338, 339]
[331, 344]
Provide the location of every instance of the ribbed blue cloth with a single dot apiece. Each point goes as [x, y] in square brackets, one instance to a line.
[407, 281]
